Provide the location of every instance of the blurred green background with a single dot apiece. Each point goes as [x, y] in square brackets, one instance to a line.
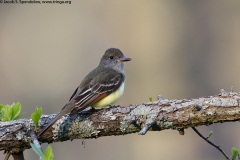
[180, 49]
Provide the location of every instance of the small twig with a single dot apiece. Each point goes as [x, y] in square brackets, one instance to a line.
[7, 156]
[35, 141]
[181, 131]
[146, 127]
[211, 143]
[18, 156]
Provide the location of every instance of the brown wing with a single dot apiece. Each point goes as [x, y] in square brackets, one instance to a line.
[74, 93]
[94, 93]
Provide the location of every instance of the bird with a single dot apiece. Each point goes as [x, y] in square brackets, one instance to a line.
[101, 87]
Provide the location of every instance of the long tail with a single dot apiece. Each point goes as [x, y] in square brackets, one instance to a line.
[66, 109]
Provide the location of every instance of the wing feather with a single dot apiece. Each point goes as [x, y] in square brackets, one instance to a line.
[95, 92]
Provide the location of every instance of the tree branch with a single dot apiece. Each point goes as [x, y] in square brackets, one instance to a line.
[211, 143]
[15, 136]
[18, 156]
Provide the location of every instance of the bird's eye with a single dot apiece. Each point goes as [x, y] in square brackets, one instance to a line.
[111, 57]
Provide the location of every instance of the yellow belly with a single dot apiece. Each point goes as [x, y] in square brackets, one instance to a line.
[110, 99]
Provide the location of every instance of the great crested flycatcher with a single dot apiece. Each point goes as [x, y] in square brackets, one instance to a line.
[103, 86]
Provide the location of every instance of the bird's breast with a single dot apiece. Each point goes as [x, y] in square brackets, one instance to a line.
[110, 99]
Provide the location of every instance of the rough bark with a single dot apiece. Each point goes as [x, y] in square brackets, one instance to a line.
[15, 136]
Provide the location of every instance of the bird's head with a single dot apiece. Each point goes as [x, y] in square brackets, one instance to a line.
[114, 58]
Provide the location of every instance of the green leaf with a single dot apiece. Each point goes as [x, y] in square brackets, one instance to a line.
[1, 111]
[234, 153]
[7, 113]
[37, 150]
[48, 154]
[150, 99]
[2, 106]
[35, 116]
[210, 134]
[16, 109]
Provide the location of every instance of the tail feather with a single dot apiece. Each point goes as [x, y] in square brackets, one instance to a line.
[66, 109]
[44, 129]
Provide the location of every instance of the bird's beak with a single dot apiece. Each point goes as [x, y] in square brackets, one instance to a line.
[124, 59]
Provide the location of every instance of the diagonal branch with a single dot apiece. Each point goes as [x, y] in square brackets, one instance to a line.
[211, 143]
[15, 136]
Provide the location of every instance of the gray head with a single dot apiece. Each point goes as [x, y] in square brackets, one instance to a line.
[114, 58]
